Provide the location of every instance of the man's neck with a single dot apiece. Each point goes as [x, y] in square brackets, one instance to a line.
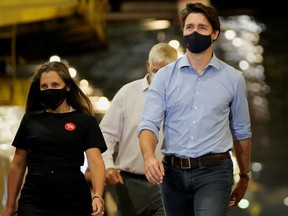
[200, 60]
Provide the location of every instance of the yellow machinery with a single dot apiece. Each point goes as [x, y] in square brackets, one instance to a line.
[78, 24]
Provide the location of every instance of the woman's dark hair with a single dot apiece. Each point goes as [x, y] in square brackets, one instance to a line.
[208, 11]
[75, 97]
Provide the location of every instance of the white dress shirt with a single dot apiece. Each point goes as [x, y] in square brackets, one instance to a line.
[119, 126]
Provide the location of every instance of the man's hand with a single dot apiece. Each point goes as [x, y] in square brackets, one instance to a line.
[238, 192]
[154, 170]
[113, 177]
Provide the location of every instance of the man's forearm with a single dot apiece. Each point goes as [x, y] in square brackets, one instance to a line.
[243, 153]
[148, 143]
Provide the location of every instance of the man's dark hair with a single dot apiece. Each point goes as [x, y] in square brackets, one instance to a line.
[208, 11]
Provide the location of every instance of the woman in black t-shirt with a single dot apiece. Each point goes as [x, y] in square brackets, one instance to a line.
[56, 130]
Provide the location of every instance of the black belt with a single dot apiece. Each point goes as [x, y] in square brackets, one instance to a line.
[133, 175]
[189, 163]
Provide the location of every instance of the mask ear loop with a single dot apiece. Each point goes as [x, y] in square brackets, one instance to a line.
[152, 76]
[67, 88]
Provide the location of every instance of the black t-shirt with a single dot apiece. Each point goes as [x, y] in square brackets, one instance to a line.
[58, 140]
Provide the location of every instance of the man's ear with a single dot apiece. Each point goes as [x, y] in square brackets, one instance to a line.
[215, 35]
[147, 65]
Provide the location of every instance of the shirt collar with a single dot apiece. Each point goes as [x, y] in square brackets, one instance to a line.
[214, 62]
[144, 83]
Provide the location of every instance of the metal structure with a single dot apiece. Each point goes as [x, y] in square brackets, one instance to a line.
[33, 30]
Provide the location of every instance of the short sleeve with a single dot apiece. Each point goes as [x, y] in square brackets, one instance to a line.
[21, 137]
[93, 135]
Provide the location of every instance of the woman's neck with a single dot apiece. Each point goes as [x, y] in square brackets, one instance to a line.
[63, 108]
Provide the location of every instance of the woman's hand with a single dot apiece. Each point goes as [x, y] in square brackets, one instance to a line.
[98, 205]
[8, 212]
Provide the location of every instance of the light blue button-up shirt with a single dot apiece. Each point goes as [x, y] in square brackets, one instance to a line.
[201, 114]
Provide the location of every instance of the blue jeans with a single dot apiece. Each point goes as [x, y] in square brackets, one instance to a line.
[200, 191]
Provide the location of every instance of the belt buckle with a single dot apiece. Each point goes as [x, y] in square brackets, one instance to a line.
[185, 163]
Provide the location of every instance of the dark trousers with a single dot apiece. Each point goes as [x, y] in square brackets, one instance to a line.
[138, 197]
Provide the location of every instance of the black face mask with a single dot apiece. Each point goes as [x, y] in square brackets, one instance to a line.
[196, 42]
[53, 98]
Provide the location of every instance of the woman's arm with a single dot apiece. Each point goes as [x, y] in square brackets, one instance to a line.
[97, 170]
[15, 178]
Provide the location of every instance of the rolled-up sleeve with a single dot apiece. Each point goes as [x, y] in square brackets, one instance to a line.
[239, 116]
[154, 106]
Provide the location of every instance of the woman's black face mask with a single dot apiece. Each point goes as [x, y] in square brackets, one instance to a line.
[53, 98]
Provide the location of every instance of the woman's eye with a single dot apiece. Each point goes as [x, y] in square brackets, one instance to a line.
[55, 85]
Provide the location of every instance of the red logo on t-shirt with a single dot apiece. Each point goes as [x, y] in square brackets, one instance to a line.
[70, 126]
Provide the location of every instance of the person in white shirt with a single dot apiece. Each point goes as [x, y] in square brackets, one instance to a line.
[135, 195]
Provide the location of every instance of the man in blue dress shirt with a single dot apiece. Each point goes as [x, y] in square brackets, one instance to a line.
[202, 102]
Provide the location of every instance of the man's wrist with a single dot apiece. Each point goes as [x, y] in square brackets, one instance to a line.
[246, 175]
